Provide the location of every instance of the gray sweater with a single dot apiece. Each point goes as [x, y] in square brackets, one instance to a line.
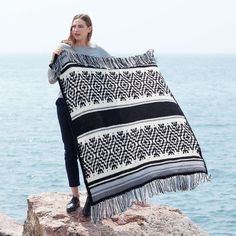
[92, 50]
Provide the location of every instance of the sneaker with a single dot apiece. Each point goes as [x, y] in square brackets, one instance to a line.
[87, 208]
[73, 204]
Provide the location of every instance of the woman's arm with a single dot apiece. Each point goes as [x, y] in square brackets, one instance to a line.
[52, 78]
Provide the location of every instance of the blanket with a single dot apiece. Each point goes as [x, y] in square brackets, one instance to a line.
[133, 139]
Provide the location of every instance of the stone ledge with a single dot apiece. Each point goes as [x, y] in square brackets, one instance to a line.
[9, 226]
[47, 217]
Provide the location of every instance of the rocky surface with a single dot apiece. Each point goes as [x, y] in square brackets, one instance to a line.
[9, 226]
[47, 216]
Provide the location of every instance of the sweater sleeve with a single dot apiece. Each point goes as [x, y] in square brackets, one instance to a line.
[103, 52]
[52, 78]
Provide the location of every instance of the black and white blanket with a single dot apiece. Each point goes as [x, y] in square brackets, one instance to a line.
[133, 139]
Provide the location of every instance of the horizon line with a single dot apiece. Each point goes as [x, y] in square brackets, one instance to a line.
[124, 53]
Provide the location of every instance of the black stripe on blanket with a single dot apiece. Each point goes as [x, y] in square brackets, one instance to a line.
[121, 174]
[112, 117]
[69, 65]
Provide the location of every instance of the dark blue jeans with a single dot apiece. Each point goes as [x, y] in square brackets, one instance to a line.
[69, 144]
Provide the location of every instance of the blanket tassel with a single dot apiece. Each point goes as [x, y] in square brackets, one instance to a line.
[121, 203]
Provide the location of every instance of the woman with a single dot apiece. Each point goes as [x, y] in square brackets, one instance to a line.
[79, 40]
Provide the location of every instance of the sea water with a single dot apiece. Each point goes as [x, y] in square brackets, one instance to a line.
[31, 149]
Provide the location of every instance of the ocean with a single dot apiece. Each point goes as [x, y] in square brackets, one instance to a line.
[31, 150]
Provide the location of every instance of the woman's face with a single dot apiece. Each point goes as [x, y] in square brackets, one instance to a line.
[80, 30]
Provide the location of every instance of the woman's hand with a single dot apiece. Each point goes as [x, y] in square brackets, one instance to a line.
[56, 52]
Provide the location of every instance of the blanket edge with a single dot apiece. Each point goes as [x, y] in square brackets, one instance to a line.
[122, 202]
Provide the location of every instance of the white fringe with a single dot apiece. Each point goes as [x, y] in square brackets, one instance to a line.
[146, 59]
[121, 203]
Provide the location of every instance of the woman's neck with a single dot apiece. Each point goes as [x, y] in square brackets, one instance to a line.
[81, 44]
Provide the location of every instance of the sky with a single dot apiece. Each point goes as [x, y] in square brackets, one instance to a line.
[122, 26]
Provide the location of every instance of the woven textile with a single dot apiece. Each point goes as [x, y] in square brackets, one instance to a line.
[133, 139]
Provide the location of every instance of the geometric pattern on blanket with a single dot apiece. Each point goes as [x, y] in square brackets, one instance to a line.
[132, 137]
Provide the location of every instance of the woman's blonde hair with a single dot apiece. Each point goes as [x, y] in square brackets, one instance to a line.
[71, 40]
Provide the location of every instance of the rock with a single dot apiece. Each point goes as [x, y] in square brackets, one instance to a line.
[9, 226]
[47, 217]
